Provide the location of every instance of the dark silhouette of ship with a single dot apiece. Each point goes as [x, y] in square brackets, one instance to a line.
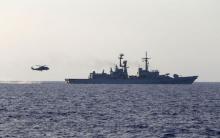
[144, 76]
[40, 68]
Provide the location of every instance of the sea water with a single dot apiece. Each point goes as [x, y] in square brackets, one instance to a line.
[57, 110]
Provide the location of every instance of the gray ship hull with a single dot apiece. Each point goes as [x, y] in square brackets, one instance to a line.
[179, 80]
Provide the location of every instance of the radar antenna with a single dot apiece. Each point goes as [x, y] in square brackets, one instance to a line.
[146, 60]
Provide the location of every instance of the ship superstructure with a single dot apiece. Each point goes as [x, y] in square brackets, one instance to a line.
[144, 76]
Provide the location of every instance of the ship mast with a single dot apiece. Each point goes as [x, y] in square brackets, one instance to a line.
[120, 59]
[146, 60]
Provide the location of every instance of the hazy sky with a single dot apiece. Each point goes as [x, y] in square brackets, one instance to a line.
[75, 37]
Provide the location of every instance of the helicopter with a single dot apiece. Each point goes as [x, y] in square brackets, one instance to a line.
[40, 68]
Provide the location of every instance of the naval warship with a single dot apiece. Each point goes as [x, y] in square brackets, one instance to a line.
[144, 76]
